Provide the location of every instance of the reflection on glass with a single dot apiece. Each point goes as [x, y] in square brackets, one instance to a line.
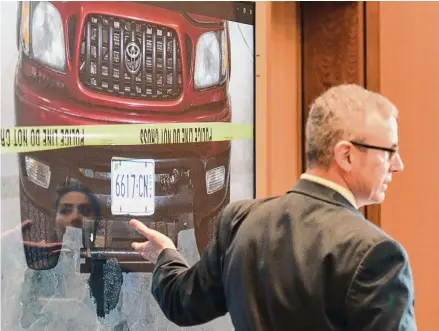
[60, 284]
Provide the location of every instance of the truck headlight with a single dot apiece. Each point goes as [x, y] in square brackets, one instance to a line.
[37, 172]
[215, 179]
[48, 36]
[211, 58]
[24, 26]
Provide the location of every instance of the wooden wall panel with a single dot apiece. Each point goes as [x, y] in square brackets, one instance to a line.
[263, 22]
[302, 48]
[409, 54]
[372, 72]
[278, 104]
[335, 47]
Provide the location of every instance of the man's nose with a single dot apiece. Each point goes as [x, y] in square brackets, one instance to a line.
[397, 164]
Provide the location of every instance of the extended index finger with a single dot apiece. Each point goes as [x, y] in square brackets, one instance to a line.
[150, 234]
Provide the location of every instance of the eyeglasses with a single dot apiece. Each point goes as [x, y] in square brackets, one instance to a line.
[67, 208]
[392, 151]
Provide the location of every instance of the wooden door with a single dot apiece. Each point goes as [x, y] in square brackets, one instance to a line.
[339, 44]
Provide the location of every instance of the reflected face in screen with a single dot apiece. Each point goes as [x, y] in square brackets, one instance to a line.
[72, 209]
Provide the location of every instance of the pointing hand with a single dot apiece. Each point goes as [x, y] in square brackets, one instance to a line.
[157, 242]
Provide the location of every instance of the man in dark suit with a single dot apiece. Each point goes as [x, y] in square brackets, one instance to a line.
[306, 260]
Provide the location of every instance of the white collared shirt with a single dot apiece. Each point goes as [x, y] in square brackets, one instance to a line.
[338, 188]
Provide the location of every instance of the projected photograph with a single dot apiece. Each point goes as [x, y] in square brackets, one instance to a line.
[97, 63]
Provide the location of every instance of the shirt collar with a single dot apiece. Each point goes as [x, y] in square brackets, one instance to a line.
[336, 187]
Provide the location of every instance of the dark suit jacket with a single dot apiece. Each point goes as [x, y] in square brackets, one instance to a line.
[307, 260]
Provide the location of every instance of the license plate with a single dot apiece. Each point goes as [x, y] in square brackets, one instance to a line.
[132, 186]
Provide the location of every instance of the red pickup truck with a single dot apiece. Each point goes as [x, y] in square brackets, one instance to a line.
[91, 63]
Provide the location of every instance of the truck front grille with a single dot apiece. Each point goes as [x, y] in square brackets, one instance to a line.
[130, 59]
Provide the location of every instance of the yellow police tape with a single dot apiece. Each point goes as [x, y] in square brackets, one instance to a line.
[40, 138]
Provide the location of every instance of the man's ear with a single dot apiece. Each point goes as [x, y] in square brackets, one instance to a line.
[342, 155]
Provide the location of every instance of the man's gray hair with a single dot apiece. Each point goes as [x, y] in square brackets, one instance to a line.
[335, 115]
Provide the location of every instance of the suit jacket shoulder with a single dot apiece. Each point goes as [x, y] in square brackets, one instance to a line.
[232, 217]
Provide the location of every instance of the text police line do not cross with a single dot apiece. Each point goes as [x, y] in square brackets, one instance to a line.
[176, 135]
[40, 138]
[23, 137]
